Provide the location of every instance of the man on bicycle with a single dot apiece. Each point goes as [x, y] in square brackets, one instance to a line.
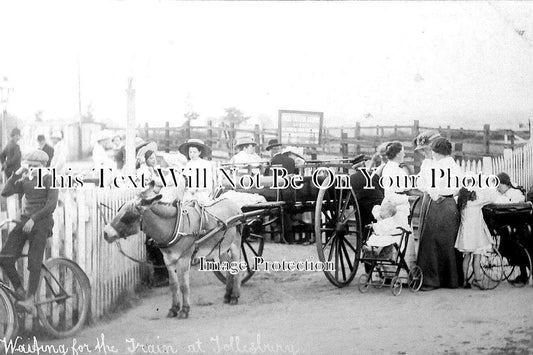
[38, 204]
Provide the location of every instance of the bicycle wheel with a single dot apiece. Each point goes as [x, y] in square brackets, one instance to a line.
[8, 318]
[63, 298]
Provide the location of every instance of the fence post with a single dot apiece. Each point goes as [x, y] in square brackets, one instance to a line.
[146, 131]
[486, 138]
[210, 134]
[511, 137]
[416, 128]
[167, 137]
[344, 148]
[257, 138]
[357, 136]
[187, 127]
[448, 133]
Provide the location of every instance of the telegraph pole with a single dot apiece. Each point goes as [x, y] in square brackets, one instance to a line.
[5, 90]
[129, 166]
[80, 144]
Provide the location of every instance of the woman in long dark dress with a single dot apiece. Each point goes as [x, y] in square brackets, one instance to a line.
[437, 255]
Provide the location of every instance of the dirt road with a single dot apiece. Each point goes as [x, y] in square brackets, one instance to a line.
[302, 313]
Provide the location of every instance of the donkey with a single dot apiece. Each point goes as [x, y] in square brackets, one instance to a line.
[176, 230]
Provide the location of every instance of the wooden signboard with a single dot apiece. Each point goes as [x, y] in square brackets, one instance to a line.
[300, 127]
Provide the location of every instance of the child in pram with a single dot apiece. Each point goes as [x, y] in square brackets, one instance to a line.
[386, 231]
[385, 251]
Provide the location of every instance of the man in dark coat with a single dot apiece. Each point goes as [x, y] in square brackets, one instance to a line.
[10, 156]
[45, 147]
[366, 198]
[280, 159]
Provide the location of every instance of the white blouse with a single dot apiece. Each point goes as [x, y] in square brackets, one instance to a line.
[392, 173]
[441, 188]
[200, 173]
[510, 196]
[245, 158]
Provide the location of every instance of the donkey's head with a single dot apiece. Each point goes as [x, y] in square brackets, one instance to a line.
[127, 222]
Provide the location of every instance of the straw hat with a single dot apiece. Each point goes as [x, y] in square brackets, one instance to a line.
[245, 141]
[193, 142]
[142, 149]
[425, 139]
[273, 143]
[37, 155]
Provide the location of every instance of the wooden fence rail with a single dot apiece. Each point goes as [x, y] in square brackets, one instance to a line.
[343, 141]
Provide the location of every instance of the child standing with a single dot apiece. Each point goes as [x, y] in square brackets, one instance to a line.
[473, 237]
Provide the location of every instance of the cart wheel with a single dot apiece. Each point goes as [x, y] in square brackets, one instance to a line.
[8, 319]
[364, 283]
[415, 278]
[63, 298]
[492, 268]
[522, 256]
[396, 285]
[251, 246]
[338, 233]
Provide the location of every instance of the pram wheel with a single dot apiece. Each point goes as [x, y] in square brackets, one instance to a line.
[492, 268]
[415, 278]
[396, 285]
[521, 267]
[363, 283]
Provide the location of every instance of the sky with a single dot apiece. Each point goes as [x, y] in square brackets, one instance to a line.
[458, 63]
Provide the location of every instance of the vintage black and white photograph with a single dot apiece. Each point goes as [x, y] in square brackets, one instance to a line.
[266, 177]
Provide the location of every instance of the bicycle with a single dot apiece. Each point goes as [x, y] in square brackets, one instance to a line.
[62, 300]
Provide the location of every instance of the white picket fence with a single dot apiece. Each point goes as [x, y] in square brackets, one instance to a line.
[518, 164]
[78, 235]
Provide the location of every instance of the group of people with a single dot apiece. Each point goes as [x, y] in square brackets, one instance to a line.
[11, 156]
[451, 228]
[202, 175]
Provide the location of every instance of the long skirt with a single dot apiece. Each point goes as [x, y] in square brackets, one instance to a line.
[436, 254]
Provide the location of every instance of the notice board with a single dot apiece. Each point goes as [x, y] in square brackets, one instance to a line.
[300, 127]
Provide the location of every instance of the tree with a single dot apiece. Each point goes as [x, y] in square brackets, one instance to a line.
[191, 115]
[235, 116]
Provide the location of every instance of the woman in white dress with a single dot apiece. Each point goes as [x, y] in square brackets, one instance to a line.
[198, 172]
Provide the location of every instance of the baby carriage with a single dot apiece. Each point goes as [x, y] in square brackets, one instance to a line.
[511, 226]
[385, 261]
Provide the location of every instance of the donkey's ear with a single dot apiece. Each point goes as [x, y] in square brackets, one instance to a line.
[150, 200]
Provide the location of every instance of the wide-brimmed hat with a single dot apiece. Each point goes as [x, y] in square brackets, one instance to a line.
[193, 142]
[37, 155]
[245, 141]
[142, 149]
[273, 143]
[424, 139]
